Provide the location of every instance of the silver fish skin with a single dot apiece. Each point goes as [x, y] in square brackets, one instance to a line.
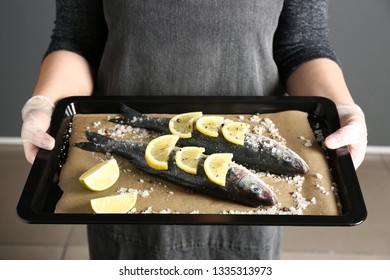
[258, 152]
[242, 185]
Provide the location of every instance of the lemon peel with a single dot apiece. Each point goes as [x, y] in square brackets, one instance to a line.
[216, 167]
[235, 132]
[101, 176]
[114, 204]
[183, 124]
[187, 158]
[158, 151]
[209, 125]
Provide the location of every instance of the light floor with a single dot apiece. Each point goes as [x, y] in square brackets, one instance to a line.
[371, 240]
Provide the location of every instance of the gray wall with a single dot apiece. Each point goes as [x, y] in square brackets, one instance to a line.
[361, 36]
[25, 28]
[360, 31]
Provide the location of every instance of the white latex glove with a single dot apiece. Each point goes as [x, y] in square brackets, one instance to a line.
[36, 115]
[353, 133]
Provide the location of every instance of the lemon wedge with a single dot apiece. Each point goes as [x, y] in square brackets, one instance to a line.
[216, 167]
[101, 176]
[235, 132]
[187, 158]
[114, 204]
[183, 124]
[158, 150]
[209, 125]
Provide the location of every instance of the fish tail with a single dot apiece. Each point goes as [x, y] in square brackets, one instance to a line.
[129, 115]
[137, 119]
[97, 142]
[129, 112]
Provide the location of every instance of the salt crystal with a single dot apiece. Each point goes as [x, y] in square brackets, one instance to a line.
[96, 124]
[255, 118]
[308, 143]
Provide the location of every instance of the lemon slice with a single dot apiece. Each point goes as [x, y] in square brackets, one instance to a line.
[235, 132]
[216, 167]
[187, 158]
[114, 204]
[158, 150]
[183, 124]
[101, 176]
[209, 125]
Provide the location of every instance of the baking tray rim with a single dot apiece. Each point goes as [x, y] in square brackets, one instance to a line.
[26, 210]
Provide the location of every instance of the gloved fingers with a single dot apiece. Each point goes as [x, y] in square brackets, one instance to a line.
[40, 139]
[354, 136]
[34, 134]
[36, 115]
[349, 134]
[33, 140]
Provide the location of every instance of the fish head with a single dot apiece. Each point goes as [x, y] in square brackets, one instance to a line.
[293, 159]
[280, 157]
[250, 186]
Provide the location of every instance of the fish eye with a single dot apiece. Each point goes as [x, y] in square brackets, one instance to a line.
[255, 189]
[287, 158]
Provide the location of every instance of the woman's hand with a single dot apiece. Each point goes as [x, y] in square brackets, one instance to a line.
[353, 133]
[36, 115]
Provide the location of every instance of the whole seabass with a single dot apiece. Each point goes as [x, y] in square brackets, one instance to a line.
[258, 152]
[241, 184]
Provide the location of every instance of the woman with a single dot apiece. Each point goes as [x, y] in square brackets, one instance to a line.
[198, 47]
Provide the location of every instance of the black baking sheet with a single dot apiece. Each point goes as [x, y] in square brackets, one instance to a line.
[41, 191]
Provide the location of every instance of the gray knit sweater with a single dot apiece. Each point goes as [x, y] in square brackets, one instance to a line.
[193, 47]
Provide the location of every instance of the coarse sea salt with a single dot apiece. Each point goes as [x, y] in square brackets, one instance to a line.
[301, 202]
[150, 210]
[142, 193]
[308, 143]
[122, 130]
[319, 135]
[255, 118]
[96, 124]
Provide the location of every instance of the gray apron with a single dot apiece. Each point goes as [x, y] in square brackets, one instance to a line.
[184, 47]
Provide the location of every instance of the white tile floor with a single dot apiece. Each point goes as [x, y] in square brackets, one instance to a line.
[371, 240]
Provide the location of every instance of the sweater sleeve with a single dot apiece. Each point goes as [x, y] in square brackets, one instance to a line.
[302, 35]
[80, 27]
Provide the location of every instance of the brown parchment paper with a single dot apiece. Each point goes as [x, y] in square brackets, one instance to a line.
[311, 194]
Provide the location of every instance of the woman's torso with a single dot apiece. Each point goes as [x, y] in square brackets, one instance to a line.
[183, 47]
[178, 47]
